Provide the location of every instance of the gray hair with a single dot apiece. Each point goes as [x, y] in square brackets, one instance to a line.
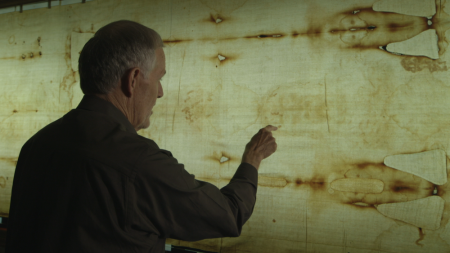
[114, 49]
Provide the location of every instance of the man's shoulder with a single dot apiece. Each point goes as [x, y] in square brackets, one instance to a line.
[151, 150]
[92, 135]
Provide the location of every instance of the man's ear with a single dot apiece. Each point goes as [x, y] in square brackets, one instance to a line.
[129, 81]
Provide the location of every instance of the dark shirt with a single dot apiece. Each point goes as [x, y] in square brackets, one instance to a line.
[89, 183]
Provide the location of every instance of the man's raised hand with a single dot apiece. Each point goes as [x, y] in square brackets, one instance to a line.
[261, 146]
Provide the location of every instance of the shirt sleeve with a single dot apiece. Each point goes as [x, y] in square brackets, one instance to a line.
[178, 206]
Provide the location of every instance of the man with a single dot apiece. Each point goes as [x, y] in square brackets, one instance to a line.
[89, 183]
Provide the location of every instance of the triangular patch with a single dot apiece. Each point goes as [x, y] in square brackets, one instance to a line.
[429, 165]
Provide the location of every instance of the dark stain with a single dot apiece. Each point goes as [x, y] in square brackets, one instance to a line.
[39, 41]
[418, 63]
[316, 183]
[314, 31]
[360, 206]
[274, 220]
[174, 41]
[2, 182]
[421, 237]
[264, 36]
[395, 26]
[14, 111]
[440, 191]
[29, 55]
[370, 164]
[398, 186]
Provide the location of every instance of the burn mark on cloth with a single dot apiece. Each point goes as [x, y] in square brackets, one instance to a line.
[400, 187]
[362, 204]
[30, 55]
[265, 36]
[370, 164]
[222, 158]
[421, 237]
[222, 58]
[441, 190]
[316, 183]
[435, 191]
[175, 41]
[216, 19]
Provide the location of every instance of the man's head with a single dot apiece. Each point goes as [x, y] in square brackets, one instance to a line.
[124, 63]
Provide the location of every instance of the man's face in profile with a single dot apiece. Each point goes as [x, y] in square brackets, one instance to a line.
[149, 89]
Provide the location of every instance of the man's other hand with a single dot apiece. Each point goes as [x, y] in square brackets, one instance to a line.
[261, 146]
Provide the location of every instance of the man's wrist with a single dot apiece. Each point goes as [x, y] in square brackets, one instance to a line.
[254, 162]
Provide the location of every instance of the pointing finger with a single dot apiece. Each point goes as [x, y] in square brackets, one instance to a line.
[271, 128]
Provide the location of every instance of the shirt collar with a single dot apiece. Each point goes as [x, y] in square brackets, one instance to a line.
[96, 104]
